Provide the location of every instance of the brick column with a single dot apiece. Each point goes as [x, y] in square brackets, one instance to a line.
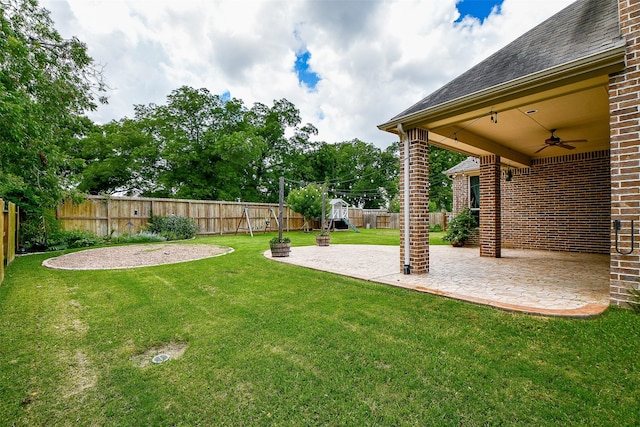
[624, 97]
[418, 201]
[490, 239]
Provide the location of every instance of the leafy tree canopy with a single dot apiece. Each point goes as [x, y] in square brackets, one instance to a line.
[197, 146]
[358, 172]
[47, 83]
[307, 201]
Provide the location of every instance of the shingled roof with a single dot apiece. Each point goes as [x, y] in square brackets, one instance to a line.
[470, 164]
[583, 29]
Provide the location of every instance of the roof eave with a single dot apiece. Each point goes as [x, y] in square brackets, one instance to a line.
[602, 63]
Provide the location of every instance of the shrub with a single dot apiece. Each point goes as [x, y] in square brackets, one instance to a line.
[276, 240]
[173, 227]
[435, 228]
[142, 237]
[37, 231]
[460, 227]
[71, 239]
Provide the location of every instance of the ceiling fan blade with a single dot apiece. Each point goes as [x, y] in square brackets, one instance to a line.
[568, 147]
[546, 146]
[574, 140]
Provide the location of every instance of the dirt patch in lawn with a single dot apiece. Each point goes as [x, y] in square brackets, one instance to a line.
[133, 256]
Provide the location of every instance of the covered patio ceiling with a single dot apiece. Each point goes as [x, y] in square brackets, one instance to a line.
[516, 129]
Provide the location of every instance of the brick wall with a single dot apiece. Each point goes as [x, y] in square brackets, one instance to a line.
[559, 203]
[624, 97]
[460, 192]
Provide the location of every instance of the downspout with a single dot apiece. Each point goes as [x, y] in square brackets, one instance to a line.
[407, 243]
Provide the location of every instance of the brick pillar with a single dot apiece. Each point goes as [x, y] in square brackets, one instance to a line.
[624, 97]
[418, 201]
[490, 239]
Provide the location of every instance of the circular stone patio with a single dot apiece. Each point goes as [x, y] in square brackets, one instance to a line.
[134, 256]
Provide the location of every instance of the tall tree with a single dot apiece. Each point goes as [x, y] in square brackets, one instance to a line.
[356, 171]
[210, 148]
[188, 129]
[281, 155]
[47, 83]
[119, 157]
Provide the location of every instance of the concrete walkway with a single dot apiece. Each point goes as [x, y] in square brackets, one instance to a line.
[536, 282]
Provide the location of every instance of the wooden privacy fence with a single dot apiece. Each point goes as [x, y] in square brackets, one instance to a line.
[9, 226]
[129, 215]
[440, 218]
[380, 218]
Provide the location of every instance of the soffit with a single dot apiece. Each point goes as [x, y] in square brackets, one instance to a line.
[516, 136]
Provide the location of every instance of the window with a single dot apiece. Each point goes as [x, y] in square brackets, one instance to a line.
[474, 197]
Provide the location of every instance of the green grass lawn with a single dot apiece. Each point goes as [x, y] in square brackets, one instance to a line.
[267, 343]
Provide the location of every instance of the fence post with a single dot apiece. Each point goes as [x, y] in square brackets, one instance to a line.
[108, 217]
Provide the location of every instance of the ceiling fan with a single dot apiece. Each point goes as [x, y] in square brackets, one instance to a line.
[555, 141]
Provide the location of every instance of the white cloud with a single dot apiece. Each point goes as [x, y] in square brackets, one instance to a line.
[375, 58]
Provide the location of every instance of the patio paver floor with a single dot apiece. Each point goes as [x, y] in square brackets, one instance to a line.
[536, 282]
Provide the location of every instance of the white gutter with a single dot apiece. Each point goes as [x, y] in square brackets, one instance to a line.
[407, 243]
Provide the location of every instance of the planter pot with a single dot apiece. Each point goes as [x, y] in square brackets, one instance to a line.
[322, 240]
[280, 249]
[457, 244]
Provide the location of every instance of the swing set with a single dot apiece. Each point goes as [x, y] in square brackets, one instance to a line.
[270, 213]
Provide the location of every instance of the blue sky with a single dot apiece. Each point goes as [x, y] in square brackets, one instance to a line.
[347, 65]
[476, 8]
[305, 75]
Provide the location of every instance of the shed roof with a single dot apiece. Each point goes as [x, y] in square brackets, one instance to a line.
[583, 29]
[468, 165]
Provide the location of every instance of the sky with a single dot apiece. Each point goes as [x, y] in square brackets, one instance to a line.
[347, 65]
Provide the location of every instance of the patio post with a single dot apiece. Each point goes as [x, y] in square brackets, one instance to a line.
[490, 230]
[418, 203]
